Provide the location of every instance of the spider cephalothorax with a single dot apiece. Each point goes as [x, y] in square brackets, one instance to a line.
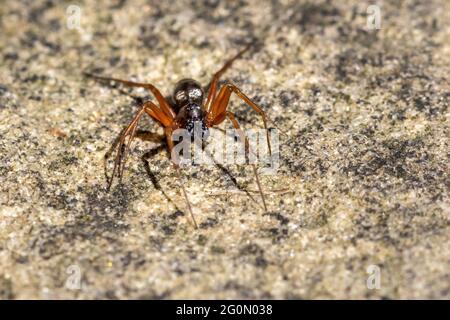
[191, 116]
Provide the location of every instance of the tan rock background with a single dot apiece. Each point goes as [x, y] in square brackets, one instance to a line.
[366, 165]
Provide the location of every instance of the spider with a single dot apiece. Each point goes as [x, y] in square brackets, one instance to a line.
[190, 109]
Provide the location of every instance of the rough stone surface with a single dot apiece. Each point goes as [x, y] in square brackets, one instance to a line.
[366, 164]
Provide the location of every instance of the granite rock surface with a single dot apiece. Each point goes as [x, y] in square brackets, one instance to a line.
[362, 188]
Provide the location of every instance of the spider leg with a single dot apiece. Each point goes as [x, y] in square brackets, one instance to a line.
[236, 125]
[215, 79]
[126, 151]
[164, 105]
[220, 105]
[110, 151]
[123, 146]
[168, 131]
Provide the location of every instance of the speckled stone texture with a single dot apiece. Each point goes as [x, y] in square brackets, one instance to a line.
[365, 165]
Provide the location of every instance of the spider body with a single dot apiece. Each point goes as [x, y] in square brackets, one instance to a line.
[190, 109]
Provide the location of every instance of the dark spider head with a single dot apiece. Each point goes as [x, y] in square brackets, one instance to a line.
[188, 91]
[195, 121]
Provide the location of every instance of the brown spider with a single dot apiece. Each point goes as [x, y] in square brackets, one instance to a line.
[189, 109]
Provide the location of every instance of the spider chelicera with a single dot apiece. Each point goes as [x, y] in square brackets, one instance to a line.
[190, 109]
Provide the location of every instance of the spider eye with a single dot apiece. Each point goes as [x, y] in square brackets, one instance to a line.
[180, 96]
[195, 94]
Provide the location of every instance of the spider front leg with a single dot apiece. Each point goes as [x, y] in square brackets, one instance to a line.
[164, 105]
[218, 112]
[215, 79]
[219, 108]
[243, 137]
[169, 131]
[123, 146]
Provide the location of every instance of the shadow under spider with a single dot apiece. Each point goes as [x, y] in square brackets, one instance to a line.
[233, 179]
[145, 157]
[162, 147]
